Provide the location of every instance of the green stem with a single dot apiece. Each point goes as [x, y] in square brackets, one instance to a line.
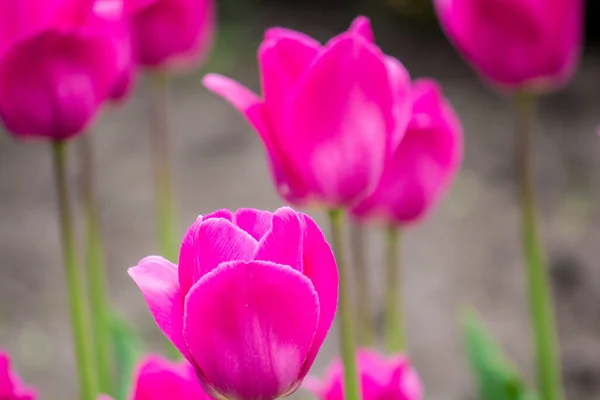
[539, 289]
[75, 286]
[366, 334]
[395, 337]
[347, 340]
[166, 217]
[96, 266]
[164, 192]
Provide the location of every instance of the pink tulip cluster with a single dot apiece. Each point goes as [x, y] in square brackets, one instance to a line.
[343, 125]
[157, 379]
[11, 387]
[61, 60]
[380, 378]
[250, 302]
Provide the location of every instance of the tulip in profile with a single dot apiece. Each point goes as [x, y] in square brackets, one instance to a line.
[171, 32]
[157, 379]
[59, 61]
[250, 303]
[381, 379]
[517, 44]
[11, 387]
[423, 165]
[329, 116]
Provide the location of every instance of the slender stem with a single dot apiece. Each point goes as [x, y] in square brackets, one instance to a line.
[75, 286]
[347, 340]
[96, 266]
[166, 217]
[395, 337]
[366, 330]
[539, 289]
[164, 191]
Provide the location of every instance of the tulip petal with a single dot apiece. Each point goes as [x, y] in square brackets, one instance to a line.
[158, 282]
[284, 57]
[282, 244]
[222, 213]
[421, 168]
[255, 112]
[209, 243]
[249, 327]
[339, 119]
[362, 26]
[255, 222]
[401, 90]
[320, 267]
[158, 378]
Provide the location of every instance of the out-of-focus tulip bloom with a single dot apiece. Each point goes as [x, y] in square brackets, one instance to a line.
[171, 33]
[423, 165]
[59, 61]
[380, 379]
[11, 387]
[157, 379]
[330, 115]
[250, 303]
[517, 44]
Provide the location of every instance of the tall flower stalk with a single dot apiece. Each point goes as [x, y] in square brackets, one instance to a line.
[395, 338]
[346, 324]
[78, 305]
[96, 266]
[365, 326]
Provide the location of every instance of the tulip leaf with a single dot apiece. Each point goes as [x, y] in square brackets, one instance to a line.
[496, 377]
[127, 349]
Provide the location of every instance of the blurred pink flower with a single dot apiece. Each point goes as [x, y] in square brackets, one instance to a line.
[330, 114]
[171, 33]
[11, 387]
[251, 302]
[423, 165]
[380, 379]
[59, 61]
[157, 379]
[517, 44]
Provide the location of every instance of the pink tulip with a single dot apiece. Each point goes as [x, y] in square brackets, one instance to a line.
[159, 379]
[59, 61]
[380, 379]
[250, 303]
[330, 115]
[517, 44]
[169, 33]
[11, 387]
[423, 165]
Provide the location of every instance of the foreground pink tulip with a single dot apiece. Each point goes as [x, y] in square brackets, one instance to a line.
[517, 44]
[423, 165]
[250, 303]
[157, 379]
[330, 114]
[59, 61]
[170, 33]
[11, 387]
[381, 379]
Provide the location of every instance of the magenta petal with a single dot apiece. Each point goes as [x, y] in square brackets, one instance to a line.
[188, 255]
[401, 90]
[283, 58]
[217, 240]
[255, 222]
[282, 244]
[362, 26]
[339, 120]
[222, 213]
[320, 267]
[249, 327]
[158, 379]
[158, 282]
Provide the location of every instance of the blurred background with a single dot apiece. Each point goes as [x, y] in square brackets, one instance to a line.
[467, 253]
